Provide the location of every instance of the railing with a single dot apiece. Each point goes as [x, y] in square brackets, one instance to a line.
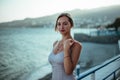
[93, 70]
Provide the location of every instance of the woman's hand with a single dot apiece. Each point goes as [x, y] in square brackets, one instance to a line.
[68, 43]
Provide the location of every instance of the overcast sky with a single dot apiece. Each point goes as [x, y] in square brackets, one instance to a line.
[20, 9]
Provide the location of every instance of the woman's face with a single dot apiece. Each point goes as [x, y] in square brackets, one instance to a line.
[63, 25]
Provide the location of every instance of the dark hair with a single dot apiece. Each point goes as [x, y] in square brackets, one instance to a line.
[66, 15]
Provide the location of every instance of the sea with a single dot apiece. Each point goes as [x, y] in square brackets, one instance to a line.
[25, 51]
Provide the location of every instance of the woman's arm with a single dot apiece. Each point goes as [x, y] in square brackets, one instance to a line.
[71, 61]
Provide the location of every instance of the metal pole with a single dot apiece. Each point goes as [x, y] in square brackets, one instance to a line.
[78, 71]
[114, 76]
[93, 76]
[119, 44]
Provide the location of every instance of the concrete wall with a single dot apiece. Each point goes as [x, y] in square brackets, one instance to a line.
[93, 54]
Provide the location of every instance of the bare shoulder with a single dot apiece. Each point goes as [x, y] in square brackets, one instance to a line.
[77, 44]
[55, 43]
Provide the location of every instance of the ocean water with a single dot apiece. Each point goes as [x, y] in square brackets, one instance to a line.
[24, 51]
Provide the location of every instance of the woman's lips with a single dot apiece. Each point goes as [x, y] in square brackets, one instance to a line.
[62, 30]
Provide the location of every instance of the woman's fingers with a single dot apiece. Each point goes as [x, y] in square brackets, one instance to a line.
[71, 42]
[68, 43]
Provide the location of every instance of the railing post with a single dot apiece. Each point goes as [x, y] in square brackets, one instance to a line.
[119, 44]
[93, 76]
[114, 76]
[78, 71]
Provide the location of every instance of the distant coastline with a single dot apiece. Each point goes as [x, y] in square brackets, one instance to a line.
[82, 19]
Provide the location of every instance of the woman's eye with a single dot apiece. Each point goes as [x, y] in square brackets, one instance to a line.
[65, 23]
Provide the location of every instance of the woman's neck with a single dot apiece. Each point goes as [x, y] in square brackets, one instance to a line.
[64, 37]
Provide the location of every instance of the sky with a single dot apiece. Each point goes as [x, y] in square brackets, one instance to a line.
[20, 9]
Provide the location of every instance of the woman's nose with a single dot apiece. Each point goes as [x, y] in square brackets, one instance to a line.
[62, 26]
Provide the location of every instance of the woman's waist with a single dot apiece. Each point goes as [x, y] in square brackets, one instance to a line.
[58, 67]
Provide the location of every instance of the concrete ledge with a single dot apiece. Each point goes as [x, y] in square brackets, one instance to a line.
[96, 39]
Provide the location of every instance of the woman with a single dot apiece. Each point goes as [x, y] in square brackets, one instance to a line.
[65, 53]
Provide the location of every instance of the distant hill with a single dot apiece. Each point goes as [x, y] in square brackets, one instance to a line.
[82, 18]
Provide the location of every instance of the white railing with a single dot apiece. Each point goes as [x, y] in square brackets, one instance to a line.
[93, 70]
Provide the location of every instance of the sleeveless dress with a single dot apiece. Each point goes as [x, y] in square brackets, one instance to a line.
[57, 62]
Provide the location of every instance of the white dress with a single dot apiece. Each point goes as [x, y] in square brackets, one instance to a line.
[58, 72]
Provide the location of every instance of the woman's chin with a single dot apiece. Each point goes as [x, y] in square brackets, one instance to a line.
[62, 33]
